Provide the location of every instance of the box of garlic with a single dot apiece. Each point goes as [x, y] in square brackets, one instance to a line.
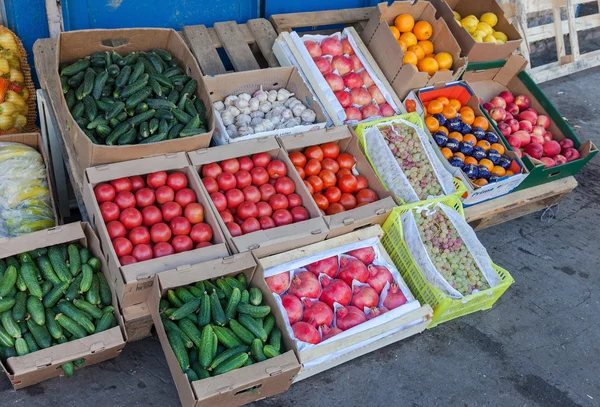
[260, 103]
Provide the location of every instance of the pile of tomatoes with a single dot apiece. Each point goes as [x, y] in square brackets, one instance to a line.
[152, 217]
[329, 177]
[253, 193]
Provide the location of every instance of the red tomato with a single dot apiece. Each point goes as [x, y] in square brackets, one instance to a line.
[366, 196]
[335, 208]
[165, 194]
[219, 201]
[348, 201]
[301, 172]
[328, 177]
[121, 184]
[139, 235]
[316, 182]
[345, 160]
[246, 163]
[115, 229]
[266, 192]
[313, 167]
[182, 244]
[201, 232]
[251, 193]
[177, 181]
[110, 211]
[144, 197]
[210, 184]
[276, 169]
[137, 183]
[266, 222]
[130, 218]
[260, 176]
[343, 171]
[247, 209]
[234, 229]
[347, 183]
[163, 249]
[330, 150]
[298, 159]
[170, 210]
[314, 152]
[226, 181]
[211, 170]
[156, 179]
[231, 165]
[264, 209]
[161, 232]
[180, 226]
[122, 246]
[203, 244]
[294, 200]
[142, 252]
[125, 260]
[151, 215]
[333, 194]
[299, 213]
[279, 201]
[242, 179]
[125, 199]
[282, 217]
[234, 198]
[330, 164]
[104, 193]
[250, 225]
[361, 183]
[321, 201]
[261, 160]
[309, 186]
[194, 212]
[226, 216]
[185, 196]
[285, 186]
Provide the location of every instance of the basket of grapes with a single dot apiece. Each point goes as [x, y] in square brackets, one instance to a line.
[402, 156]
[441, 259]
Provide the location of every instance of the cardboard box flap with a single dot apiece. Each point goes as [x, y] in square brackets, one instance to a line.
[281, 234]
[221, 153]
[43, 238]
[502, 75]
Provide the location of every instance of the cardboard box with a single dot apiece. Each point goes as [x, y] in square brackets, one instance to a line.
[221, 86]
[475, 194]
[77, 44]
[240, 386]
[133, 281]
[348, 221]
[35, 367]
[415, 319]
[478, 51]
[512, 77]
[265, 242]
[387, 52]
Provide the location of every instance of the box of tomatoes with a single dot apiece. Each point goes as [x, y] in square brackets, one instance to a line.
[151, 216]
[339, 178]
[259, 200]
[467, 145]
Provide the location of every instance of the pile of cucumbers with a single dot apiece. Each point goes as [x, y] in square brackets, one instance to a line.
[140, 98]
[214, 328]
[50, 296]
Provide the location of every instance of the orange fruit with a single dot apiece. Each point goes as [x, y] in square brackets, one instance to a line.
[466, 109]
[481, 122]
[486, 163]
[444, 100]
[435, 107]
[467, 117]
[480, 181]
[428, 65]
[499, 171]
[471, 160]
[456, 136]
[444, 60]
[447, 152]
[444, 129]
[469, 138]
[444, 70]
[484, 144]
[455, 104]
[509, 173]
[410, 58]
[395, 32]
[404, 23]
[498, 147]
[418, 51]
[432, 123]
[460, 155]
[429, 55]
[449, 112]
[427, 47]
[423, 30]
[409, 39]
[402, 45]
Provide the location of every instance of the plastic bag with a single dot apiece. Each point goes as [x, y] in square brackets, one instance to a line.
[460, 265]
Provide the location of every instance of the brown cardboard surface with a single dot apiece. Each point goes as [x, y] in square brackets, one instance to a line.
[240, 386]
[348, 221]
[44, 364]
[474, 51]
[265, 242]
[389, 56]
[133, 282]
[77, 44]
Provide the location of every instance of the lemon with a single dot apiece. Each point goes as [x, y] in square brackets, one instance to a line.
[478, 38]
[500, 42]
[500, 36]
[457, 16]
[469, 24]
[486, 28]
[479, 33]
[489, 38]
[490, 18]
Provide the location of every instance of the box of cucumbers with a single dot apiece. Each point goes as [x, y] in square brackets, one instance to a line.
[56, 305]
[215, 328]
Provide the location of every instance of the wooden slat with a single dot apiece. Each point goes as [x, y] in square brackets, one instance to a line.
[535, 6]
[556, 70]
[557, 32]
[201, 44]
[244, 29]
[237, 49]
[521, 20]
[286, 22]
[543, 32]
[265, 36]
[573, 37]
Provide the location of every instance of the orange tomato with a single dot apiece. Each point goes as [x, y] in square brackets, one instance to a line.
[404, 23]
[456, 136]
[447, 153]
[418, 51]
[428, 65]
[499, 171]
[480, 181]
[498, 147]
[469, 138]
[427, 47]
[435, 107]
[484, 144]
[481, 122]
[449, 112]
[486, 163]
[444, 129]
[410, 58]
[411, 106]
[471, 160]
[444, 100]
[509, 173]
[459, 155]
[423, 30]
[455, 103]
[409, 39]
[467, 117]
[432, 124]
[395, 32]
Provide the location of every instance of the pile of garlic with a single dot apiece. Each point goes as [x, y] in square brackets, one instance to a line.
[263, 111]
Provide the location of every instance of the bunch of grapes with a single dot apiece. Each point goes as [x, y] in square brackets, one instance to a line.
[449, 254]
[406, 146]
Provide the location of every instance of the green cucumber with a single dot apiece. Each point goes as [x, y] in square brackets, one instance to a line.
[153, 125]
[76, 80]
[79, 362]
[46, 269]
[128, 60]
[93, 294]
[232, 303]
[84, 254]
[114, 110]
[179, 350]
[230, 364]
[8, 281]
[192, 132]
[218, 315]
[54, 328]
[9, 324]
[163, 305]
[172, 326]
[105, 293]
[242, 279]
[164, 55]
[190, 87]
[225, 287]
[155, 138]
[253, 326]
[195, 291]
[55, 294]
[155, 87]
[141, 108]
[173, 96]
[88, 82]
[9, 303]
[74, 260]
[257, 350]
[70, 97]
[40, 334]
[29, 274]
[245, 297]
[173, 299]
[98, 121]
[20, 284]
[138, 70]
[6, 340]
[36, 310]
[275, 339]
[190, 108]
[46, 287]
[191, 331]
[86, 281]
[162, 114]
[226, 337]
[72, 291]
[78, 110]
[139, 96]
[135, 87]
[269, 323]
[58, 262]
[99, 83]
[118, 131]
[144, 130]
[142, 117]
[64, 84]
[19, 308]
[222, 357]
[270, 352]
[244, 334]
[186, 309]
[181, 116]
[88, 308]
[127, 138]
[156, 62]
[256, 297]
[205, 350]
[107, 321]
[183, 294]
[191, 375]
[76, 315]
[204, 314]
[254, 311]
[95, 263]
[21, 347]
[31, 343]
[121, 79]
[108, 308]
[75, 67]
[174, 131]
[161, 104]
[233, 283]
[68, 369]
[70, 325]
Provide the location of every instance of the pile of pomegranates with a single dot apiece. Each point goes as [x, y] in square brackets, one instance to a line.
[309, 297]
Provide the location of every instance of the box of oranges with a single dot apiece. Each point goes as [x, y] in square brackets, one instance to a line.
[412, 47]
[480, 27]
[467, 144]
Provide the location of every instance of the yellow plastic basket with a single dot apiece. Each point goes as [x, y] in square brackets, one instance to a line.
[444, 308]
[413, 118]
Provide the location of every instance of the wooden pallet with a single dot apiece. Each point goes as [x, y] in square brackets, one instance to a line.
[354, 17]
[248, 46]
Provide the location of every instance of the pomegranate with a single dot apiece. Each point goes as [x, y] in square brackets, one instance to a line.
[378, 276]
[279, 282]
[364, 296]
[366, 255]
[349, 317]
[335, 290]
[305, 332]
[293, 308]
[375, 312]
[317, 313]
[305, 284]
[351, 269]
[329, 332]
[395, 297]
[327, 266]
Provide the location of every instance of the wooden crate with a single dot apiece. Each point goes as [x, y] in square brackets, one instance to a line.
[314, 20]
[248, 46]
[138, 322]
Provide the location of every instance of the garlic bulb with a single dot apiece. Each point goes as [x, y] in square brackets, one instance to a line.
[253, 103]
[259, 128]
[298, 108]
[308, 115]
[279, 127]
[230, 100]
[292, 122]
[265, 106]
[241, 103]
[232, 131]
[243, 119]
[233, 110]
[277, 111]
[245, 110]
[291, 100]
[226, 117]
[272, 97]
[245, 96]
[276, 104]
[287, 114]
[244, 131]
[256, 120]
[283, 95]
[261, 95]
[275, 120]
[257, 114]
[294, 103]
[268, 124]
[219, 106]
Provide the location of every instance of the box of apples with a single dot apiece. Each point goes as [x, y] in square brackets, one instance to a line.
[530, 123]
[151, 216]
[260, 201]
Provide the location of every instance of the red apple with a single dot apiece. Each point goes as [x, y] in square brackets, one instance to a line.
[324, 65]
[343, 97]
[551, 148]
[352, 80]
[332, 46]
[335, 81]
[352, 113]
[524, 137]
[538, 130]
[498, 113]
[488, 106]
[534, 150]
[356, 64]
[543, 121]
[514, 141]
[376, 94]
[566, 143]
[505, 129]
[571, 154]
[360, 96]
[518, 152]
[506, 95]
[514, 125]
[366, 78]
[342, 64]
[537, 138]
[386, 110]
[525, 125]
[560, 159]
[498, 102]
[346, 47]
[508, 116]
[548, 162]
[370, 111]
[512, 108]
[522, 102]
[529, 116]
[548, 136]
[313, 49]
